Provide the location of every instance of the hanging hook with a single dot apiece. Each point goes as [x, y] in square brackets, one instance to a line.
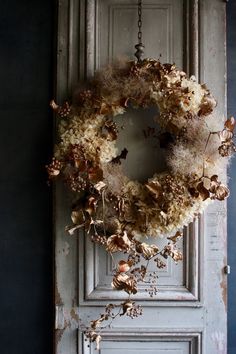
[140, 47]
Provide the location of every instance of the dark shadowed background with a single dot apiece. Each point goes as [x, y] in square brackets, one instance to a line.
[26, 67]
[26, 62]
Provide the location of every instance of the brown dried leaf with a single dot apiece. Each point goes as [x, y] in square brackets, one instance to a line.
[76, 154]
[105, 108]
[230, 124]
[171, 251]
[95, 174]
[148, 251]
[122, 155]
[112, 130]
[71, 229]
[94, 337]
[97, 323]
[91, 205]
[219, 190]
[214, 184]
[155, 189]
[172, 128]
[78, 217]
[225, 135]
[176, 237]
[131, 309]
[127, 306]
[194, 193]
[207, 105]
[124, 282]
[97, 341]
[222, 192]
[117, 243]
[214, 178]
[100, 186]
[204, 193]
[81, 164]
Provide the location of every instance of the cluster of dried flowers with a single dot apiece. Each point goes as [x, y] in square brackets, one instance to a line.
[116, 211]
[129, 273]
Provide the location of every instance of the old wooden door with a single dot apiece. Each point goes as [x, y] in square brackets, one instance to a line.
[189, 313]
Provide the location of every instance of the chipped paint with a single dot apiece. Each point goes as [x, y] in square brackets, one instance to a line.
[74, 315]
[223, 285]
[57, 295]
[58, 336]
[66, 318]
[66, 248]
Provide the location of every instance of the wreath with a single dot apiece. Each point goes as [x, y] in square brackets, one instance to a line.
[117, 211]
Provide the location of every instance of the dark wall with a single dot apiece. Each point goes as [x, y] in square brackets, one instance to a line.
[26, 48]
[231, 47]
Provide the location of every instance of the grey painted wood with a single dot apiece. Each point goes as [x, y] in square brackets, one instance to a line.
[189, 313]
[162, 35]
[151, 342]
[176, 283]
[231, 106]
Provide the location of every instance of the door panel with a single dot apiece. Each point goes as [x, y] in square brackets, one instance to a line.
[117, 30]
[151, 343]
[188, 315]
[177, 282]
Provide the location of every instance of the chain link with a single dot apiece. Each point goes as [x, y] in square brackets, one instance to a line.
[139, 47]
[140, 21]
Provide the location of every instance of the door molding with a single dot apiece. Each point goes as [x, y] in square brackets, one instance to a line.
[194, 339]
[76, 51]
[189, 294]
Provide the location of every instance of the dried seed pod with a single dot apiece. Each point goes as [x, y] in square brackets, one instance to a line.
[54, 168]
[63, 111]
[124, 266]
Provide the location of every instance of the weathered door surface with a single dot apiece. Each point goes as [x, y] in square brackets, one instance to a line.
[188, 316]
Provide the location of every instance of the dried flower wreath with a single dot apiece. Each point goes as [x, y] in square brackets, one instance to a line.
[116, 211]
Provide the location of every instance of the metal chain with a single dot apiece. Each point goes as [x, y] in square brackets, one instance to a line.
[139, 47]
[140, 21]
